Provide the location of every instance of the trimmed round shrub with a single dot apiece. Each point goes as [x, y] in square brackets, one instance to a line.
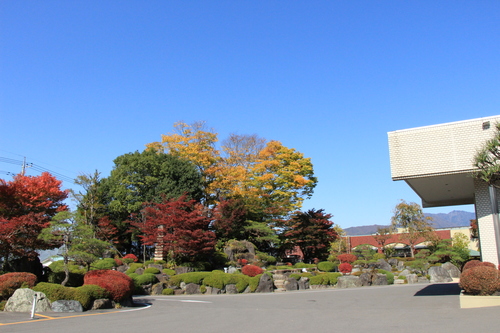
[119, 285]
[168, 271]
[192, 277]
[133, 267]
[488, 264]
[118, 262]
[106, 263]
[251, 270]
[9, 282]
[84, 294]
[93, 292]
[54, 291]
[131, 256]
[304, 265]
[470, 264]
[152, 270]
[480, 280]
[347, 258]
[345, 268]
[167, 291]
[326, 266]
[145, 278]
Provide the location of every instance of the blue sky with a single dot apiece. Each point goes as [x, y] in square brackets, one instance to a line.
[82, 82]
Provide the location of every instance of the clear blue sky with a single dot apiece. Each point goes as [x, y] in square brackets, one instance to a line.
[82, 82]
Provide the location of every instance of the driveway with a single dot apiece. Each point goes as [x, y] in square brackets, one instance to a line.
[395, 308]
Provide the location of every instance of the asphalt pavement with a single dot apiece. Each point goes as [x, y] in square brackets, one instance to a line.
[394, 308]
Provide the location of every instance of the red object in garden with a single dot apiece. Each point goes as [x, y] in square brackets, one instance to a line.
[9, 282]
[347, 257]
[251, 270]
[119, 285]
[131, 256]
[345, 268]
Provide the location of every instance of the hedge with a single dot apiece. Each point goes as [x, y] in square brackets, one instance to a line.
[119, 285]
[84, 294]
[9, 282]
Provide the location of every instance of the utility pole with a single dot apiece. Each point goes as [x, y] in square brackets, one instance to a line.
[23, 170]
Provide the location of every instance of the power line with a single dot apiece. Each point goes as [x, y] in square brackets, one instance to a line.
[38, 168]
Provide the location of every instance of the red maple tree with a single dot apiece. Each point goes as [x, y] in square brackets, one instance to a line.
[27, 204]
[179, 227]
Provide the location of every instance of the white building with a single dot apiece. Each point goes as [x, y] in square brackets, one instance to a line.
[437, 163]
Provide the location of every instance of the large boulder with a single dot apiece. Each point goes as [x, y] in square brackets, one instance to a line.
[291, 284]
[103, 303]
[348, 281]
[303, 283]
[231, 289]
[365, 279]
[67, 306]
[379, 280]
[266, 284]
[452, 269]
[382, 264]
[192, 289]
[438, 274]
[22, 301]
[412, 278]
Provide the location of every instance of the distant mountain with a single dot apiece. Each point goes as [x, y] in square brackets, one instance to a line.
[456, 218]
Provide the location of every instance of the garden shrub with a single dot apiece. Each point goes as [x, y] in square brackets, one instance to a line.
[55, 292]
[167, 291]
[192, 277]
[218, 280]
[152, 270]
[347, 258]
[326, 266]
[168, 271]
[144, 279]
[320, 279]
[390, 276]
[242, 282]
[119, 285]
[345, 268]
[118, 262]
[253, 282]
[333, 278]
[488, 264]
[57, 275]
[203, 289]
[475, 263]
[251, 270]
[106, 263]
[131, 256]
[84, 294]
[94, 292]
[304, 265]
[480, 280]
[9, 282]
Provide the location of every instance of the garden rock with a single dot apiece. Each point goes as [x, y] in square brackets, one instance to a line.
[183, 269]
[22, 301]
[365, 279]
[379, 280]
[400, 265]
[291, 284]
[67, 306]
[348, 281]
[452, 269]
[122, 268]
[303, 283]
[438, 274]
[423, 279]
[157, 289]
[213, 291]
[102, 303]
[232, 270]
[158, 267]
[139, 271]
[382, 264]
[192, 289]
[393, 262]
[231, 289]
[266, 284]
[405, 272]
[412, 278]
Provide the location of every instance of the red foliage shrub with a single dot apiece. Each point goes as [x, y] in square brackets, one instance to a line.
[471, 264]
[242, 261]
[251, 270]
[119, 285]
[131, 256]
[345, 268]
[488, 264]
[118, 262]
[347, 257]
[9, 282]
[480, 280]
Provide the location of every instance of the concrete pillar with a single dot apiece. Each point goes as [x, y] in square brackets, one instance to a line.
[487, 233]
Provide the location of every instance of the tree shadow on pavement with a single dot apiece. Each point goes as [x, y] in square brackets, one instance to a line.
[440, 289]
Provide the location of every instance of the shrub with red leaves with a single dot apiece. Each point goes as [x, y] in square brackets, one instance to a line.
[242, 261]
[118, 284]
[345, 268]
[9, 282]
[480, 280]
[347, 257]
[118, 262]
[131, 256]
[251, 270]
[475, 263]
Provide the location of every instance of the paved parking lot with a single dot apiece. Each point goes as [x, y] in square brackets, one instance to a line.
[396, 308]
